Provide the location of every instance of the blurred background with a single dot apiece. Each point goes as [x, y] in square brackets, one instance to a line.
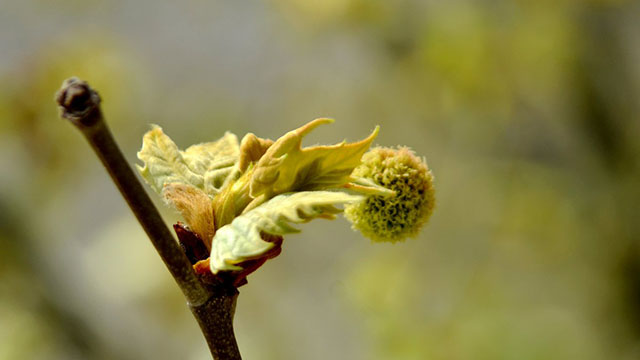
[527, 112]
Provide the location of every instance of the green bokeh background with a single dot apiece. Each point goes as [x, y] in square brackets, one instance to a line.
[527, 112]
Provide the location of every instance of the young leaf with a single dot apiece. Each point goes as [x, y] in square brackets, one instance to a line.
[285, 166]
[204, 166]
[240, 240]
[196, 208]
[367, 187]
[215, 160]
[251, 150]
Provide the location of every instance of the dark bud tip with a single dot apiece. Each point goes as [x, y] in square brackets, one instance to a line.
[78, 102]
[191, 243]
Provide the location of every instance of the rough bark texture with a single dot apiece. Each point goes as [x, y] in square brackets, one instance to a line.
[215, 318]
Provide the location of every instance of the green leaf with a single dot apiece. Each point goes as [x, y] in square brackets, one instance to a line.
[286, 166]
[204, 166]
[215, 160]
[251, 150]
[240, 240]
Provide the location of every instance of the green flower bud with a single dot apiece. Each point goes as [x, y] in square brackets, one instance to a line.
[393, 218]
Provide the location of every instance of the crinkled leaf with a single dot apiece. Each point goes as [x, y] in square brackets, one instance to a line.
[240, 240]
[251, 150]
[286, 166]
[203, 166]
[164, 163]
[215, 160]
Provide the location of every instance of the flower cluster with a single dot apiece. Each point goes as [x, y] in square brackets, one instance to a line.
[393, 218]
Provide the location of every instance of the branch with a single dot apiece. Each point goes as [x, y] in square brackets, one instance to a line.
[81, 105]
[213, 305]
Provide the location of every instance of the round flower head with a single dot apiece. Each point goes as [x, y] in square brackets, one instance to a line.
[396, 217]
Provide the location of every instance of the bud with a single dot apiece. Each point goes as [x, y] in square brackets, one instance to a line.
[393, 218]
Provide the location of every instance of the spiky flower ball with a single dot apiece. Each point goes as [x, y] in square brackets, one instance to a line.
[393, 218]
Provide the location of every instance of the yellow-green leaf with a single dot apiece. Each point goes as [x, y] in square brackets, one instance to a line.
[240, 240]
[215, 160]
[286, 166]
[367, 187]
[204, 166]
[251, 150]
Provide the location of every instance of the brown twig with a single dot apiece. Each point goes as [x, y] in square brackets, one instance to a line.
[212, 305]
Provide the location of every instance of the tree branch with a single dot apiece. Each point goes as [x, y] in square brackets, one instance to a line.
[81, 105]
[215, 318]
[213, 306]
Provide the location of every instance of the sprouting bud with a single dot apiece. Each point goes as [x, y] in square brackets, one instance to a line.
[393, 218]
